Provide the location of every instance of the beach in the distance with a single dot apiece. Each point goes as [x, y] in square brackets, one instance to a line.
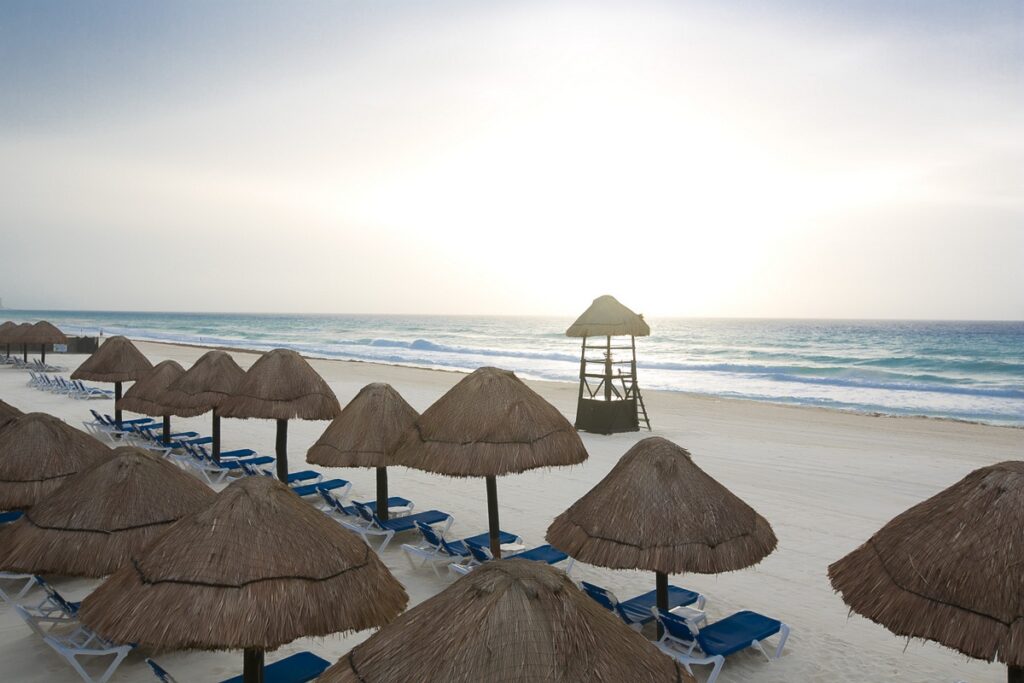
[825, 479]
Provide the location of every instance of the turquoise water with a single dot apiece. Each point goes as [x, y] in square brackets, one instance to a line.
[964, 370]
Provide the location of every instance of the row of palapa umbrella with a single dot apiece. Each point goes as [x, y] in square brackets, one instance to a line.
[946, 570]
[42, 333]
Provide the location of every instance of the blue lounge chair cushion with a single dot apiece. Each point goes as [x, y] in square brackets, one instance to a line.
[393, 502]
[542, 553]
[237, 464]
[8, 517]
[639, 608]
[304, 475]
[399, 524]
[298, 668]
[237, 453]
[310, 489]
[736, 632]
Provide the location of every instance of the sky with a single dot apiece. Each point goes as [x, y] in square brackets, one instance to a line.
[789, 159]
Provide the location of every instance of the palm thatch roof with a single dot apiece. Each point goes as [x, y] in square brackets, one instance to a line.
[607, 317]
[657, 510]
[8, 413]
[204, 386]
[44, 332]
[510, 621]
[281, 385]
[102, 517]
[367, 432]
[37, 453]
[145, 395]
[20, 334]
[948, 569]
[257, 568]
[117, 360]
[490, 424]
[5, 330]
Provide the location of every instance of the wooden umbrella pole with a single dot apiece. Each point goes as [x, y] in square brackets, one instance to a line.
[1015, 674]
[492, 517]
[282, 450]
[252, 666]
[42, 352]
[382, 492]
[661, 594]
[216, 436]
[167, 430]
[117, 401]
[24, 352]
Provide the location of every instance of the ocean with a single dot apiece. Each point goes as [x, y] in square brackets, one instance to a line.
[963, 370]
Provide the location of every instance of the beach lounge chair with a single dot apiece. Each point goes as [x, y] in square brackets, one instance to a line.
[301, 477]
[637, 611]
[481, 553]
[54, 608]
[14, 587]
[333, 506]
[10, 516]
[78, 642]
[87, 392]
[433, 547]
[297, 668]
[711, 644]
[375, 526]
[216, 472]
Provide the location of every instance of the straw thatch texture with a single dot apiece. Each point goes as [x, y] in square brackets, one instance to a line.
[949, 569]
[510, 621]
[8, 413]
[102, 517]
[281, 385]
[44, 332]
[145, 395]
[367, 432]
[607, 317]
[117, 360]
[204, 386]
[21, 334]
[5, 330]
[257, 568]
[37, 452]
[490, 424]
[656, 510]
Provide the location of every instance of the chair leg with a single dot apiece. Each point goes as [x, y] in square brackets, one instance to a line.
[716, 669]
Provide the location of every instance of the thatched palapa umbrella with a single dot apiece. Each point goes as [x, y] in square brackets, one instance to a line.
[8, 413]
[256, 569]
[488, 425]
[44, 334]
[949, 569]
[102, 517]
[5, 334]
[203, 387]
[37, 453]
[367, 434]
[512, 621]
[21, 335]
[281, 386]
[116, 360]
[658, 511]
[146, 395]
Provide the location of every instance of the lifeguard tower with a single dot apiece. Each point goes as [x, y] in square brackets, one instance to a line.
[609, 399]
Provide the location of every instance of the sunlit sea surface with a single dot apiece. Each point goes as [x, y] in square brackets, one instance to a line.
[965, 370]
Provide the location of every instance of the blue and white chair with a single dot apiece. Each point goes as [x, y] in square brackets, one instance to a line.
[711, 644]
[637, 611]
[481, 554]
[433, 547]
[297, 668]
[375, 526]
[77, 643]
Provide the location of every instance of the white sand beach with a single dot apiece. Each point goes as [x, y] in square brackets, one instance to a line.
[826, 480]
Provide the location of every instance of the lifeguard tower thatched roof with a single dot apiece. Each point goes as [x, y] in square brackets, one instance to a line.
[607, 317]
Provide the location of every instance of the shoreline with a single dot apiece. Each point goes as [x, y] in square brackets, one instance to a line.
[646, 392]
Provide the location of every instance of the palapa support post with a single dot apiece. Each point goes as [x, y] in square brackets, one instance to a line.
[167, 430]
[492, 517]
[1015, 674]
[282, 450]
[252, 666]
[661, 594]
[216, 436]
[42, 352]
[117, 400]
[382, 493]
[24, 352]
